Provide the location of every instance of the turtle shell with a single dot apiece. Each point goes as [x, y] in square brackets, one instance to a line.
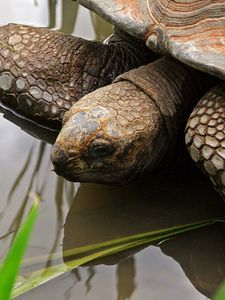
[191, 31]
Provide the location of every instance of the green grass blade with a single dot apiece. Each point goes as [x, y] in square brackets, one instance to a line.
[167, 232]
[10, 266]
[220, 293]
[110, 247]
[42, 276]
[171, 231]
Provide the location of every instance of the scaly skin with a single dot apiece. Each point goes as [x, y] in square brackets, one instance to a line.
[132, 126]
[205, 136]
[44, 72]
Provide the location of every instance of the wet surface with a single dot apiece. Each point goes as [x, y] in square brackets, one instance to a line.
[188, 267]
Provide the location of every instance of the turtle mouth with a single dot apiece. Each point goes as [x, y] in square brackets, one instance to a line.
[122, 176]
[77, 169]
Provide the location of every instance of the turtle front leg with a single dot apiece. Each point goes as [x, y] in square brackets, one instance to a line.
[44, 72]
[205, 135]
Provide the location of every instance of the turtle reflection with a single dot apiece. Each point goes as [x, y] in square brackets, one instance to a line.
[101, 213]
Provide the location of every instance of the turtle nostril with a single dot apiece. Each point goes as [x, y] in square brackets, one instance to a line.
[59, 158]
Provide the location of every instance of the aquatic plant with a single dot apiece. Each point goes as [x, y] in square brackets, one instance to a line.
[79, 256]
[10, 266]
[220, 293]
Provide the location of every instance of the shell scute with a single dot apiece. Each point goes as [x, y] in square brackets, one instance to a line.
[191, 31]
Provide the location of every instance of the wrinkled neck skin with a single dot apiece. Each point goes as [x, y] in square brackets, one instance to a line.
[44, 72]
[130, 127]
[175, 89]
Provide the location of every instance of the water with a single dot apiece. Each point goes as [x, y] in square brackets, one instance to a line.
[188, 267]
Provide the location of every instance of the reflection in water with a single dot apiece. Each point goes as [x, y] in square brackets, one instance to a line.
[202, 256]
[101, 213]
[59, 214]
[125, 278]
[91, 274]
[33, 129]
[31, 175]
[68, 293]
[30, 187]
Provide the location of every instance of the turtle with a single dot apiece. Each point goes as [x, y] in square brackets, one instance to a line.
[191, 32]
[135, 124]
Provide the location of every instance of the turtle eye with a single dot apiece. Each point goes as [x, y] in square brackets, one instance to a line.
[101, 149]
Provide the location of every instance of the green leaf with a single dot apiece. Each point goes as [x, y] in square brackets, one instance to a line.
[100, 250]
[11, 264]
[220, 293]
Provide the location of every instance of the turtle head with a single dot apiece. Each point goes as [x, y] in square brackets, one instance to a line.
[102, 140]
